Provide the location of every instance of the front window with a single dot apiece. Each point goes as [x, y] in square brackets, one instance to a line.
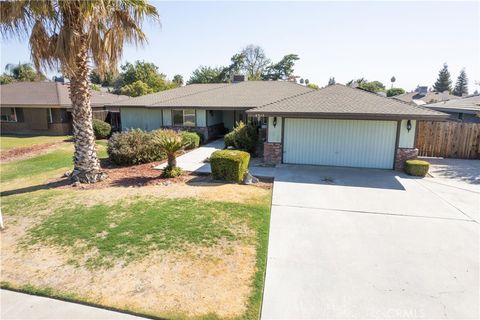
[184, 117]
[8, 115]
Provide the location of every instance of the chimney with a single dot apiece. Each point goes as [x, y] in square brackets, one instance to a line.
[239, 78]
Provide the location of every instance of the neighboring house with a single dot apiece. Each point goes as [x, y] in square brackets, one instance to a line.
[422, 96]
[335, 126]
[465, 109]
[45, 107]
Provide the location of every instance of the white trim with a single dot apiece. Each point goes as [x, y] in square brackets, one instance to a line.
[14, 115]
[50, 116]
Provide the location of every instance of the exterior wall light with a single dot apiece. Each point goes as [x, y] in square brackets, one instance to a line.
[274, 122]
[409, 125]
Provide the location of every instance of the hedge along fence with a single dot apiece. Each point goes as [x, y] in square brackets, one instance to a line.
[229, 165]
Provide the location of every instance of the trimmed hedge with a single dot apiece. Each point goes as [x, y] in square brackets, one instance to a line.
[229, 165]
[417, 168]
[134, 147]
[190, 139]
[101, 129]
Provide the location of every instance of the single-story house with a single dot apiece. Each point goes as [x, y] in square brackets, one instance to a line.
[465, 109]
[422, 96]
[45, 107]
[209, 109]
[335, 126]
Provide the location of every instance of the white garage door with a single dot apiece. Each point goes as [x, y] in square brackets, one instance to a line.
[346, 143]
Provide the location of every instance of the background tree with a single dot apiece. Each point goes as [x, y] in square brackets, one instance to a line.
[178, 79]
[443, 82]
[331, 81]
[6, 79]
[362, 83]
[307, 82]
[395, 92]
[105, 80]
[392, 80]
[313, 86]
[66, 35]
[461, 86]
[302, 81]
[204, 74]
[281, 70]
[23, 72]
[136, 89]
[145, 72]
[255, 61]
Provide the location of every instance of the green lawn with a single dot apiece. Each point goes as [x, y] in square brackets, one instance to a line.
[133, 230]
[8, 142]
[60, 158]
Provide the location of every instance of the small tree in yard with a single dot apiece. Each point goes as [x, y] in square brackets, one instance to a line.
[69, 36]
[170, 142]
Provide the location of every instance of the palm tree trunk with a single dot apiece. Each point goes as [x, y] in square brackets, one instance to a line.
[87, 167]
[172, 160]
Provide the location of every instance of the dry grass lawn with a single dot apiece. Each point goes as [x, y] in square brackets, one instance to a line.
[191, 248]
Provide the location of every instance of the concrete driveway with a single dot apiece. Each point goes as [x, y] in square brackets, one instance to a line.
[358, 243]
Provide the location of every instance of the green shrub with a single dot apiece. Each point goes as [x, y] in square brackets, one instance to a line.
[171, 172]
[190, 139]
[229, 139]
[242, 137]
[134, 147]
[229, 165]
[417, 167]
[394, 92]
[101, 129]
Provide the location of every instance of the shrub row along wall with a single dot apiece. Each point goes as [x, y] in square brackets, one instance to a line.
[448, 139]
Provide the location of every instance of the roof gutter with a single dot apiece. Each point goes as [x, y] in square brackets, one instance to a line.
[351, 116]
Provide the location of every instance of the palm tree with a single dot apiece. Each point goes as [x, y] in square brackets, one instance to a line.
[66, 35]
[170, 142]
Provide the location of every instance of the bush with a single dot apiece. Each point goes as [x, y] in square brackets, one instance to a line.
[171, 172]
[229, 165]
[417, 167]
[395, 92]
[191, 140]
[134, 147]
[242, 137]
[229, 139]
[101, 129]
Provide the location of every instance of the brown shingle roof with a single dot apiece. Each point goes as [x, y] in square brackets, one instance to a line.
[51, 94]
[430, 97]
[248, 94]
[339, 101]
[167, 95]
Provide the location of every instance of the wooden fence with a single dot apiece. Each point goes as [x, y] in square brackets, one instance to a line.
[448, 139]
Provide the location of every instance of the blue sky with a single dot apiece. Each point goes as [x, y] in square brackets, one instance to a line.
[376, 40]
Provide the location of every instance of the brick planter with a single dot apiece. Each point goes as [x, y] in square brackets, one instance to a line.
[272, 153]
[404, 154]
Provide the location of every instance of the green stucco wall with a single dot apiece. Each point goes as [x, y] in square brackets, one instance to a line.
[141, 118]
[407, 138]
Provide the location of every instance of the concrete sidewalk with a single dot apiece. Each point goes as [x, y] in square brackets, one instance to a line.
[193, 161]
[15, 305]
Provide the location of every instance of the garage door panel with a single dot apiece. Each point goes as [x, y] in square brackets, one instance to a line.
[351, 143]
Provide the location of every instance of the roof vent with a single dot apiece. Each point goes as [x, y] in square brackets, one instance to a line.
[239, 78]
[423, 90]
